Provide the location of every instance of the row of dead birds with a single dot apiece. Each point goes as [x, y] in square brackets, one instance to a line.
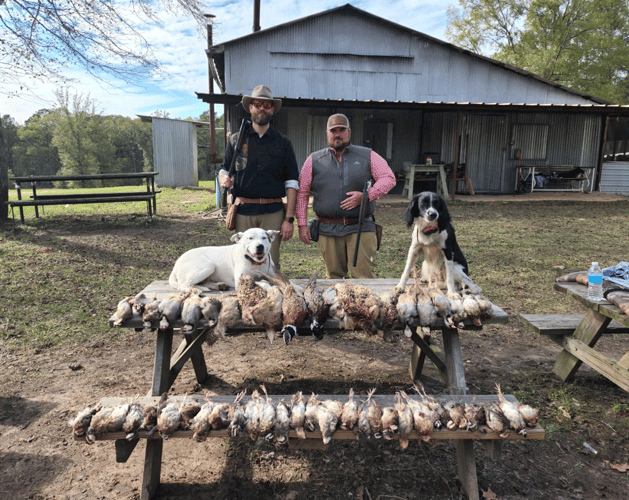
[280, 306]
[261, 418]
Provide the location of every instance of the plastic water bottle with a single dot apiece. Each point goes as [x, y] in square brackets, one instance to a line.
[595, 283]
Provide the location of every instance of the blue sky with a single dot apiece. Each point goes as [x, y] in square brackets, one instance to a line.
[181, 50]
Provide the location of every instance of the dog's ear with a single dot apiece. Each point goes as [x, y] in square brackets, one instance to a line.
[272, 234]
[412, 211]
[444, 214]
[236, 237]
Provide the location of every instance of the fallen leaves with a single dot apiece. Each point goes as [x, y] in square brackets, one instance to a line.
[489, 495]
[619, 467]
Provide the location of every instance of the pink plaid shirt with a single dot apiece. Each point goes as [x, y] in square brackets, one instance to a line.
[380, 171]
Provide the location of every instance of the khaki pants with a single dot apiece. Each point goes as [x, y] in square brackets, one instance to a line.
[265, 221]
[338, 255]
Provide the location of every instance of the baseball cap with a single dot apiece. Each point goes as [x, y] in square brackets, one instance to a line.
[338, 120]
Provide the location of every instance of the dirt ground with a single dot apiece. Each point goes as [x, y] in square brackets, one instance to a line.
[42, 387]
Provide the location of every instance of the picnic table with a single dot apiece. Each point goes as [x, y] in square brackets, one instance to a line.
[579, 346]
[449, 363]
[38, 199]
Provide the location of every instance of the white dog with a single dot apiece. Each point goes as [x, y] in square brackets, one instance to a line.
[221, 267]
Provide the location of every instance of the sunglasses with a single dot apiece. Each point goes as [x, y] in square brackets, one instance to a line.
[262, 104]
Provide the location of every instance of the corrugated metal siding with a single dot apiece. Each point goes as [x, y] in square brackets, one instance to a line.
[334, 57]
[485, 145]
[175, 152]
[615, 177]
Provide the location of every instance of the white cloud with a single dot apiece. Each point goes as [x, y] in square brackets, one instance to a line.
[180, 47]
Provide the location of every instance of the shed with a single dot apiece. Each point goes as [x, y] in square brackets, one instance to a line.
[410, 96]
[175, 150]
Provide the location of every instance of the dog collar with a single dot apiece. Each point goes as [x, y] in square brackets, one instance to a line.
[431, 229]
[255, 263]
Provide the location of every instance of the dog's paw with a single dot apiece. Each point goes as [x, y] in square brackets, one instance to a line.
[399, 289]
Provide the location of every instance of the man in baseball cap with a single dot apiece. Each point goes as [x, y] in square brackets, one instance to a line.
[335, 177]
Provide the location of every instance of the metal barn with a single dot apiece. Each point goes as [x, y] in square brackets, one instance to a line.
[410, 96]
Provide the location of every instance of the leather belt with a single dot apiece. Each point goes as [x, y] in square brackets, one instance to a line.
[342, 220]
[259, 201]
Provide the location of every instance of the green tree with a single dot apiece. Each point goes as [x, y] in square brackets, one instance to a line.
[206, 169]
[580, 44]
[9, 135]
[34, 152]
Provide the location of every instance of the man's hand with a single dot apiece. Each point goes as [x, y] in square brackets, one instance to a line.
[352, 201]
[304, 234]
[226, 181]
[287, 230]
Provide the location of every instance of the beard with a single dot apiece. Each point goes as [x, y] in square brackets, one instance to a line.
[261, 118]
[339, 145]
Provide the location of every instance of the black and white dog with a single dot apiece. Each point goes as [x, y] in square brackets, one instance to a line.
[433, 235]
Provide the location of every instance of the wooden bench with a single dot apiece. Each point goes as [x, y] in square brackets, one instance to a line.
[560, 325]
[37, 200]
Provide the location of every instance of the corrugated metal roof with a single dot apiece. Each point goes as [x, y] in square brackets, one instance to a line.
[298, 102]
[219, 49]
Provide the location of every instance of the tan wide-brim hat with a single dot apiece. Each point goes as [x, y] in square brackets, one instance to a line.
[261, 92]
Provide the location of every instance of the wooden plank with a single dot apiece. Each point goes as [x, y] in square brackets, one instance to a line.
[466, 462]
[161, 366]
[124, 449]
[579, 293]
[624, 362]
[601, 363]
[152, 468]
[93, 195]
[564, 324]
[53, 178]
[482, 434]
[589, 331]
[455, 371]
[192, 350]
[421, 349]
[79, 201]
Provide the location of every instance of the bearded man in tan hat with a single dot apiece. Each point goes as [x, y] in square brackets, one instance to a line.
[265, 171]
[335, 178]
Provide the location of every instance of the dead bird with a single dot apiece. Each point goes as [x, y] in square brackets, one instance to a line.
[252, 415]
[139, 303]
[294, 307]
[272, 321]
[405, 419]
[81, 422]
[486, 308]
[529, 414]
[238, 419]
[388, 313]
[390, 421]
[426, 311]
[124, 311]
[360, 304]
[471, 307]
[98, 424]
[475, 415]
[282, 422]
[421, 423]
[349, 415]
[511, 413]
[133, 420]
[335, 406]
[370, 417]
[407, 304]
[267, 415]
[318, 307]
[170, 309]
[188, 411]
[428, 406]
[210, 309]
[228, 317]
[441, 303]
[298, 414]
[149, 419]
[191, 312]
[168, 416]
[150, 314]
[252, 299]
[458, 311]
[496, 420]
[456, 411]
[219, 416]
[327, 422]
[310, 415]
[199, 424]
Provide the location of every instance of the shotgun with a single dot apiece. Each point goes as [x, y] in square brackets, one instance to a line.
[237, 152]
[363, 202]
